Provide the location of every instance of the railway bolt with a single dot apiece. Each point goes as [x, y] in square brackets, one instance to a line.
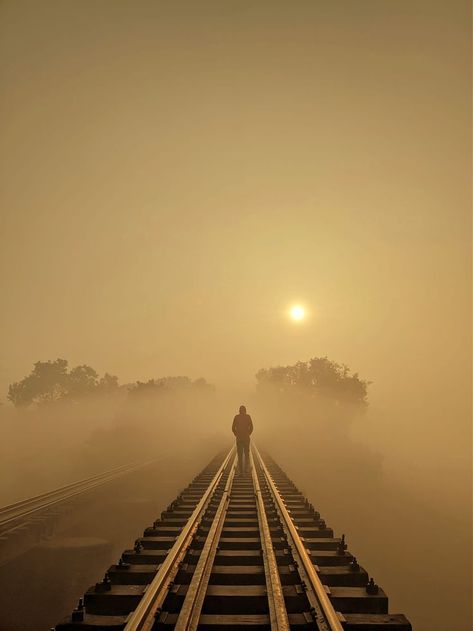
[342, 546]
[105, 584]
[78, 613]
[371, 587]
[354, 565]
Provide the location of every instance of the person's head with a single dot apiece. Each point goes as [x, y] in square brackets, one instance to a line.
[242, 409]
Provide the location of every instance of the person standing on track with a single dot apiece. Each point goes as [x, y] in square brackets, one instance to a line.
[242, 428]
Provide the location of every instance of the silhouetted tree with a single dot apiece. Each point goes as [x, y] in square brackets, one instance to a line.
[51, 381]
[108, 383]
[170, 384]
[47, 381]
[320, 377]
[203, 385]
[81, 380]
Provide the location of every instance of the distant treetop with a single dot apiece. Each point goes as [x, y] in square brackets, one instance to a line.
[320, 377]
[170, 384]
[51, 381]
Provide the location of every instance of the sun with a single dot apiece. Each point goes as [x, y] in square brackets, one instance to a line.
[297, 313]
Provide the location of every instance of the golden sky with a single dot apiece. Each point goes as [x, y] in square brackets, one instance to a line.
[175, 174]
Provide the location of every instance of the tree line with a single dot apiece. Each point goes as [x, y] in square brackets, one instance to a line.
[51, 381]
[319, 377]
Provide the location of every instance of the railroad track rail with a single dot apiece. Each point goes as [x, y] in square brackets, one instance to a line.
[15, 514]
[232, 553]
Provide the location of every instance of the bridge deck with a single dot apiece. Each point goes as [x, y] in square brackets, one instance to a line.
[233, 553]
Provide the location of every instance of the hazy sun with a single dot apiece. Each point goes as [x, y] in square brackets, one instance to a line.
[297, 312]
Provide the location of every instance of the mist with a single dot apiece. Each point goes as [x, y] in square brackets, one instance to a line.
[53, 444]
[393, 509]
[396, 512]
[174, 178]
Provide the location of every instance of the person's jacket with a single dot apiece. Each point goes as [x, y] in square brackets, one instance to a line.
[242, 426]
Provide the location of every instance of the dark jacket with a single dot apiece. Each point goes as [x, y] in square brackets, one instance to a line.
[242, 427]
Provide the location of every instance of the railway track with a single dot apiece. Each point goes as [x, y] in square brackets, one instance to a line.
[233, 553]
[14, 515]
[24, 524]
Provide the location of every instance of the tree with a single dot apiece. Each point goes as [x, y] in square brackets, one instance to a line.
[108, 383]
[170, 385]
[202, 385]
[319, 377]
[47, 381]
[51, 381]
[81, 380]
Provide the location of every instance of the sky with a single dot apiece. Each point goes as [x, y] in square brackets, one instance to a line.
[174, 175]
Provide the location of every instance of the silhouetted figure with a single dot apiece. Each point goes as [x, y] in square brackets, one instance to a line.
[242, 428]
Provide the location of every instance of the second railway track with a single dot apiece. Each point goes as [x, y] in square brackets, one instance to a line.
[232, 553]
[19, 512]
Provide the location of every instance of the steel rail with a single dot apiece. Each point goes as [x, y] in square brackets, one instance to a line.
[189, 615]
[25, 508]
[327, 617]
[277, 607]
[143, 617]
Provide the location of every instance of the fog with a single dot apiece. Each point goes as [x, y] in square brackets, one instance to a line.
[51, 445]
[407, 520]
[173, 177]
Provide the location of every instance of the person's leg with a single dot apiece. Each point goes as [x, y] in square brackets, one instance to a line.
[240, 446]
[247, 456]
